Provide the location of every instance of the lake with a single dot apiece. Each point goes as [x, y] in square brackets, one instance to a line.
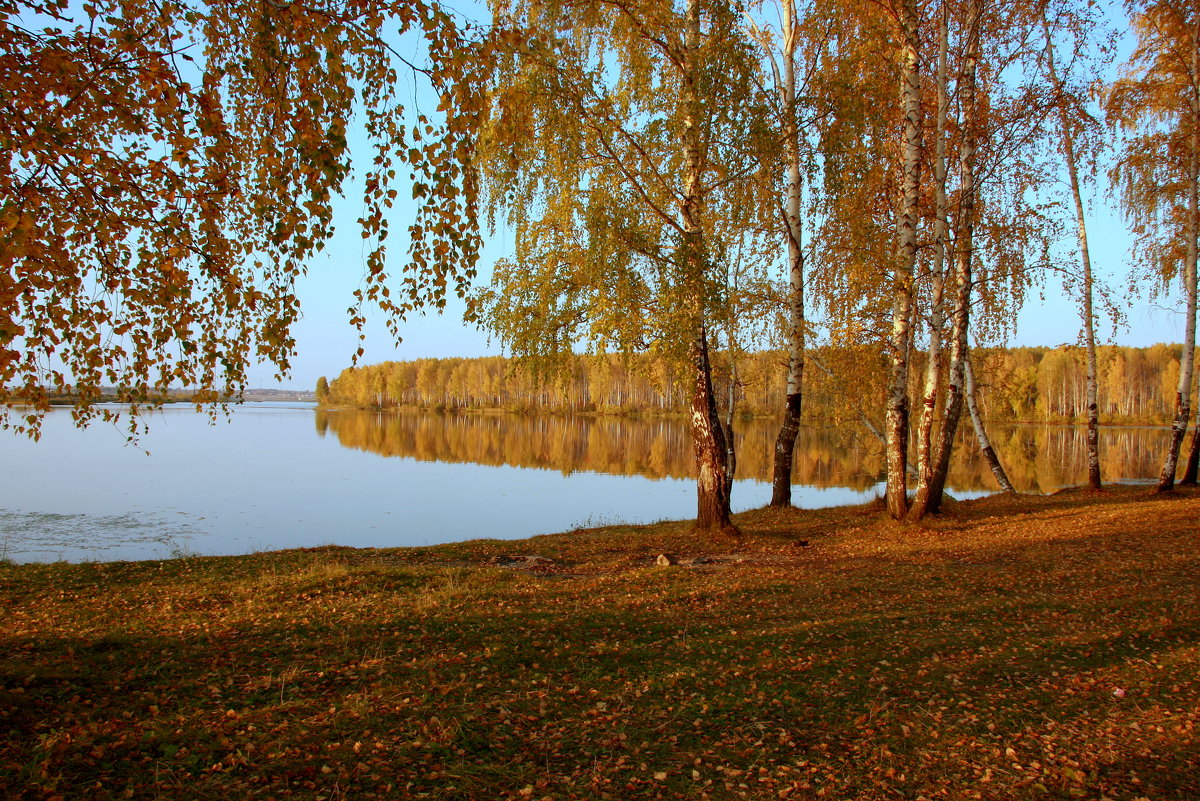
[277, 475]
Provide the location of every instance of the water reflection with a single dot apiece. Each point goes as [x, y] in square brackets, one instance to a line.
[1038, 458]
[1046, 458]
[263, 480]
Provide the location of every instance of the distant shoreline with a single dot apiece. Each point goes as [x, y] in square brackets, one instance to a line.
[250, 396]
[676, 415]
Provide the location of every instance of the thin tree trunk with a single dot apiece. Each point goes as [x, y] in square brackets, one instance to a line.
[985, 442]
[1183, 396]
[789, 429]
[1089, 323]
[731, 407]
[965, 254]
[906, 257]
[933, 364]
[785, 447]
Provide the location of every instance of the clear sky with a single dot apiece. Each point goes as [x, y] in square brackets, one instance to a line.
[326, 342]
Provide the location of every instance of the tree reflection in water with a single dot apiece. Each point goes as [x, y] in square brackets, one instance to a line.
[1038, 458]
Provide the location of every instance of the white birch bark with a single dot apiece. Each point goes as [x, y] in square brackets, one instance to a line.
[785, 443]
[933, 365]
[708, 440]
[964, 257]
[906, 255]
[985, 442]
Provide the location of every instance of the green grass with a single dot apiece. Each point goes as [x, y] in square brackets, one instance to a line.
[974, 658]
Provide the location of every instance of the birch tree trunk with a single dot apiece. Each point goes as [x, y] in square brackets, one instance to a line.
[1183, 395]
[906, 255]
[730, 411]
[789, 429]
[985, 442]
[1089, 322]
[1193, 462]
[964, 256]
[933, 365]
[708, 440]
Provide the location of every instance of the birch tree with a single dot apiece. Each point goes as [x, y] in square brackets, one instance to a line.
[616, 145]
[933, 474]
[908, 30]
[971, 227]
[1156, 107]
[1072, 122]
[792, 52]
[872, 152]
[932, 389]
[789, 103]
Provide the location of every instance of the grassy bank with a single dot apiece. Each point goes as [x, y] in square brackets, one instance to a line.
[1031, 648]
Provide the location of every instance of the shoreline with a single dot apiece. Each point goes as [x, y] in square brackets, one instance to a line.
[955, 512]
[178, 547]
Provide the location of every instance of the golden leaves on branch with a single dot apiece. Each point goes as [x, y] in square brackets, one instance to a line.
[170, 171]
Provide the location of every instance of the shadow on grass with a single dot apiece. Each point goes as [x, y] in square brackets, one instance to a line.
[990, 665]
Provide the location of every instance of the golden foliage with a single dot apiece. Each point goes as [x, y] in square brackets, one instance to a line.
[169, 169]
[1137, 385]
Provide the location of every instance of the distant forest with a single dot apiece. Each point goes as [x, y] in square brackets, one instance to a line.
[1137, 385]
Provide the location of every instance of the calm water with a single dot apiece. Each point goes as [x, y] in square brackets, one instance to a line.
[284, 476]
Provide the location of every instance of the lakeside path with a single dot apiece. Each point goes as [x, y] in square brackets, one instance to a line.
[1012, 648]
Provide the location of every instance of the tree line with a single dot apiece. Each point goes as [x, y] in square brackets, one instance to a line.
[1029, 384]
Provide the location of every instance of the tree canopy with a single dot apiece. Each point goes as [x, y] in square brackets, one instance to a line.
[620, 139]
[169, 171]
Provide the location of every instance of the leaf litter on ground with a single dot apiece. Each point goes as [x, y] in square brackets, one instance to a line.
[1012, 648]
